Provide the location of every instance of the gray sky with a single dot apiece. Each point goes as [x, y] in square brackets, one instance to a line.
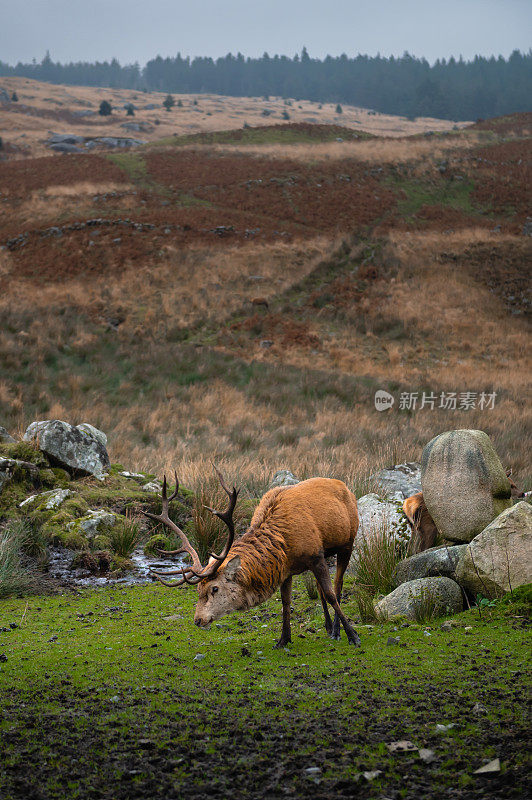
[137, 30]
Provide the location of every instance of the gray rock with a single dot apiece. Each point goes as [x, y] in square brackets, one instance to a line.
[500, 557]
[5, 437]
[4, 97]
[464, 483]
[400, 481]
[116, 141]
[527, 227]
[8, 466]
[70, 447]
[90, 430]
[153, 486]
[378, 518]
[47, 501]
[436, 562]
[438, 595]
[65, 138]
[65, 148]
[93, 523]
[283, 478]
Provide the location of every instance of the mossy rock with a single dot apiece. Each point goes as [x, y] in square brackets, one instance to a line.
[48, 479]
[24, 451]
[72, 539]
[121, 566]
[56, 525]
[61, 475]
[101, 542]
[159, 541]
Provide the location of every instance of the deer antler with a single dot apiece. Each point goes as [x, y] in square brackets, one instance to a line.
[227, 517]
[163, 517]
[195, 573]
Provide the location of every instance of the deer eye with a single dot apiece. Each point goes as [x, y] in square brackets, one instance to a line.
[214, 589]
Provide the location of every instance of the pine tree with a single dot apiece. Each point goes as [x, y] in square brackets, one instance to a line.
[339, 109]
[169, 102]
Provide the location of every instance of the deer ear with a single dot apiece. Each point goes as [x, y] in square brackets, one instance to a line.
[231, 568]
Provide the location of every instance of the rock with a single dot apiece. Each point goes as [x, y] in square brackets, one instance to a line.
[47, 501]
[464, 483]
[438, 561]
[527, 227]
[5, 437]
[446, 626]
[90, 430]
[9, 465]
[437, 596]
[94, 523]
[65, 148]
[400, 481]
[198, 657]
[379, 518]
[402, 746]
[500, 557]
[153, 486]
[4, 97]
[426, 755]
[65, 138]
[392, 640]
[70, 447]
[492, 766]
[283, 478]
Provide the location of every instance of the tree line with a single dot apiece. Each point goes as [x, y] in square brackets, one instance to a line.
[449, 89]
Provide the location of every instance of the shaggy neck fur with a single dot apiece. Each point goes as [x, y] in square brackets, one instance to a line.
[262, 550]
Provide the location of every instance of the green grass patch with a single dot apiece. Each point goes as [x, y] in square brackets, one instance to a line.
[116, 694]
[296, 133]
[414, 194]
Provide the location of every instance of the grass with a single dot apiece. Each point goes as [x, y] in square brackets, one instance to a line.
[14, 577]
[377, 556]
[102, 695]
[125, 536]
[267, 135]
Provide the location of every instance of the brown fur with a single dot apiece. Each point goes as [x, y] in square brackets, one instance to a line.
[292, 530]
[424, 531]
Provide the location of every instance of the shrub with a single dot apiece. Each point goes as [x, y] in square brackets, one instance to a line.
[366, 607]
[14, 97]
[285, 115]
[14, 578]
[309, 582]
[130, 111]
[159, 541]
[339, 109]
[105, 109]
[125, 536]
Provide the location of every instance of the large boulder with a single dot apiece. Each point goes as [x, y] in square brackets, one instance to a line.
[436, 562]
[400, 481]
[500, 558]
[73, 448]
[421, 599]
[378, 520]
[464, 483]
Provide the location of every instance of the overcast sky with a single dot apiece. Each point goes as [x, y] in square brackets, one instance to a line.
[137, 30]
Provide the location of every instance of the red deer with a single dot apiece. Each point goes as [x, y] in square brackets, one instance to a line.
[424, 530]
[259, 301]
[293, 529]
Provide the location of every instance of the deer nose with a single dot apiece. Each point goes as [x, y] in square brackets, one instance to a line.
[197, 621]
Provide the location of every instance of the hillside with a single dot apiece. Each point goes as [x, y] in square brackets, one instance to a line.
[399, 264]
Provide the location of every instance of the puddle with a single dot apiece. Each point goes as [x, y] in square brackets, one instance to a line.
[61, 558]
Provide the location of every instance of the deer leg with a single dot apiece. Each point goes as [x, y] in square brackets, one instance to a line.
[342, 562]
[328, 621]
[321, 572]
[286, 597]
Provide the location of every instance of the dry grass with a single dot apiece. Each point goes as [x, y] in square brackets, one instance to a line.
[212, 113]
[374, 151]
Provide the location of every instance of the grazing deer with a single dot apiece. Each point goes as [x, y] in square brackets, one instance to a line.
[260, 301]
[424, 530]
[293, 529]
